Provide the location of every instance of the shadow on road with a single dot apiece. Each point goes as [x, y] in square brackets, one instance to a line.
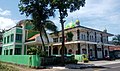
[83, 66]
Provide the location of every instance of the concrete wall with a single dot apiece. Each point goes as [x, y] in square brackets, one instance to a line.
[28, 60]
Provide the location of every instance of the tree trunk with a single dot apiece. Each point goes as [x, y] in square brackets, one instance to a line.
[42, 41]
[63, 44]
[46, 35]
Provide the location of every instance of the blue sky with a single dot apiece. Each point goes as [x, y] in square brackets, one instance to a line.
[97, 14]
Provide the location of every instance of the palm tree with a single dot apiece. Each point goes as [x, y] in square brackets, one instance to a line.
[40, 11]
[48, 25]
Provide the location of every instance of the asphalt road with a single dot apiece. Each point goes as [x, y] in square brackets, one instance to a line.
[111, 67]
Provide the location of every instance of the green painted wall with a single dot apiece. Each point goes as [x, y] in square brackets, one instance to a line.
[19, 30]
[28, 60]
[32, 33]
[10, 38]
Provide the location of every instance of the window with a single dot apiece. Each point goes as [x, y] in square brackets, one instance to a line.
[4, 40]
[12, 37]
[6, 52]
[17, 51]
[90, 37]
[55, 50]
[60, 39]
[84, 37]
[99, 49]
[19, 37]
[7, 39]
[81, 36]
[55, 39]
[90, 52]
[70, 51]
[84, 51]
[11, 51]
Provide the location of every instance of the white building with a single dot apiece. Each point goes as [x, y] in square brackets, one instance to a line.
[85, 40]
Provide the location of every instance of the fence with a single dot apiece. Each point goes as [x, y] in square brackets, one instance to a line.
[28, 60]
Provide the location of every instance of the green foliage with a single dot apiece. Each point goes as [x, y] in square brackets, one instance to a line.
[65, 5]
[7, 68]
[40, 11]
[69, 36]
[116, 40]
[36, 50]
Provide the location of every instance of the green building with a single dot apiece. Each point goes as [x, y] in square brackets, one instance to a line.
[12, 41]
[15, 38]
[1, 42]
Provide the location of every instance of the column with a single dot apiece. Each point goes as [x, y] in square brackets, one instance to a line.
[95, 50]
[79, 48]
[88, 51]
[102, 46]
[23, 39]
[103, 51]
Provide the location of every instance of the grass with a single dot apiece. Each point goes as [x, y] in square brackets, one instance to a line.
[7, 68]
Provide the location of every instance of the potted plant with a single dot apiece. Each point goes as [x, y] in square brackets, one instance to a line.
[85, 58]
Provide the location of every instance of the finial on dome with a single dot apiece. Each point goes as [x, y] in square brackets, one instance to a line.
[77, 22]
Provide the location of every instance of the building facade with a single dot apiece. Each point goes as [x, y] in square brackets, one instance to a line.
[84, 40]
[1, 33]
[12, 41]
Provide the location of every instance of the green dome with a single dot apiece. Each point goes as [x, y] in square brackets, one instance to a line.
[67, 26]
[70, 25]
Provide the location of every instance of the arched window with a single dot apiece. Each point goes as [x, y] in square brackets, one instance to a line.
[65, 51]
[55, 50]
[70, 51]
[84, 51]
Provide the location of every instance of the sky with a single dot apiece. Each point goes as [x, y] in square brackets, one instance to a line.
[96, 14]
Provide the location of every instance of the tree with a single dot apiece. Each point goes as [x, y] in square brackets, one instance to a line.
[63, 7]
[40, 11]
[69, 36]
[116, 40]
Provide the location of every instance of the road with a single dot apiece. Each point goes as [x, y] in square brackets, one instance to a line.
[111, 67]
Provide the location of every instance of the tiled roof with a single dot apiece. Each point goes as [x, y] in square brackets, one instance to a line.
[114, 48]
[33, 37]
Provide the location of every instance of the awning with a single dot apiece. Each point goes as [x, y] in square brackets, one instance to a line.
[33, 43]
[84, 42]
[74, 42]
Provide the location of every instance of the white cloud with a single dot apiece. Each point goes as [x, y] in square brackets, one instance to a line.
[6, 23]
[5, 12]
[99, 14]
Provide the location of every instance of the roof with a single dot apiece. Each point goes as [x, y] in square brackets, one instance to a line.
[33, 37]
[85, 28]
[114, 48]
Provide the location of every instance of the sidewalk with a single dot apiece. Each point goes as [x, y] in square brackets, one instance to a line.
[102, 62]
